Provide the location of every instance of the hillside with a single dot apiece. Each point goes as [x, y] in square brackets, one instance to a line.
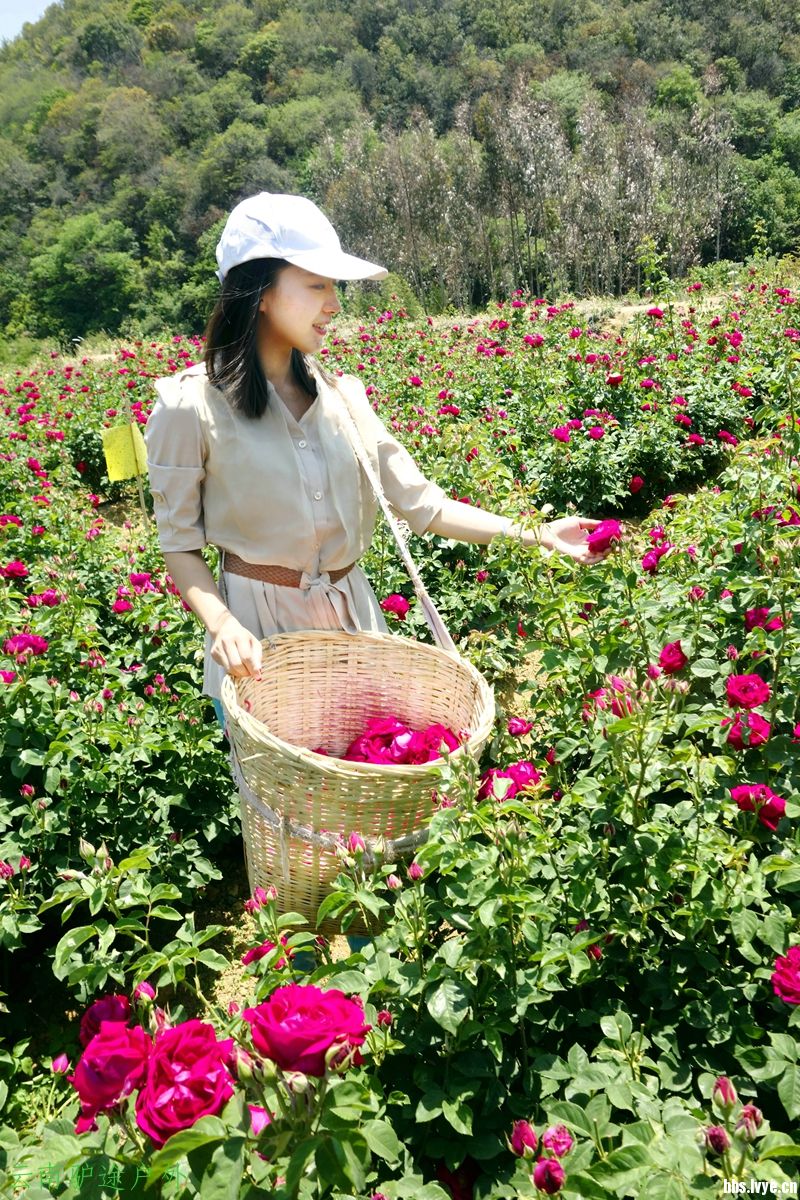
[473, 147]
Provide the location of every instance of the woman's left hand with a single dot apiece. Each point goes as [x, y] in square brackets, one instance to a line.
[567, 535]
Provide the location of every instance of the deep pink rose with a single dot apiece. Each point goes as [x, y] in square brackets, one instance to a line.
[300, 1024]
[187, 1078]
[672, 659]
[111, 1067]
[651, 558]
[520, 774]
[636, 484]
[523, 1140]
[558, 1139]
[549, 1176]
[14, 570]
[388, 740]
[518, 726]
[747, 729]
[259, 952]
[604, 536]
[759, 618]
[396, 604]
[107, 1008]
[758, 798]
[260, 1118]
[786, 976]
[747, 691]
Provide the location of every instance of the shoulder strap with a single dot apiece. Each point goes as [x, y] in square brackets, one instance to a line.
[429, 610]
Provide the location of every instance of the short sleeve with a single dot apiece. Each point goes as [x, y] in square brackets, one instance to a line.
[416, 499]
[176, 454]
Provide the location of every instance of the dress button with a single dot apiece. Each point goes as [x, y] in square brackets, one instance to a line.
[302, 445]
[317, 495]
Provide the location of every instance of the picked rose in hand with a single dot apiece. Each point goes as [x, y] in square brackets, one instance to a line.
[299, 1025]
[604, 535]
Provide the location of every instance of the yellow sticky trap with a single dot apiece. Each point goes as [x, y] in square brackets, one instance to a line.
[124, 448]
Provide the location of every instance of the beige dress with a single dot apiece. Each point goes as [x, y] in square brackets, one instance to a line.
[279, 491]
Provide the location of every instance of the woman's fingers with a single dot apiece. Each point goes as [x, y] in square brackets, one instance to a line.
[237, 651]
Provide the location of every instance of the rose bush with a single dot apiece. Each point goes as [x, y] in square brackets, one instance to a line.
[589, 937]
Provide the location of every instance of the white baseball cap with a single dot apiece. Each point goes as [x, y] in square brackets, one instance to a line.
[271, 225]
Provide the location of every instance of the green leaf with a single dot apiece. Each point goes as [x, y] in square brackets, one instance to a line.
[618, 1028]
[663, 1186]
[789, 1090]
[223, 1175]
[71, 941]
[302, 1153]
[621, 1162]
[789, 1150]
[744, 924]
[571, 1115]
[458, 1114]
[430, 1106]
[448, 1004]
[213, 960]
[166, 912]
[204, 1131]
[382, 1140]
[349, 981]
[338, 1162]
[704, 668]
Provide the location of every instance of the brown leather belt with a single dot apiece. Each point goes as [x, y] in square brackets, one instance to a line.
[280, 576]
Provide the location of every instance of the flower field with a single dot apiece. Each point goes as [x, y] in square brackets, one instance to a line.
[588, 980]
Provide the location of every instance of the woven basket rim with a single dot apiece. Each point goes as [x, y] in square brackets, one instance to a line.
[330, 765]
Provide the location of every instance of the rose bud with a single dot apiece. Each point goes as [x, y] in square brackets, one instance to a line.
[558, 1139]
[750, 1119]
[393, 882]
[717, 1139]
[549, 1176]
[144, 991]
[384, 1018]
[60, 1065]
[415, 871]
[356, 844]
[523, 1140]
[723, 1094]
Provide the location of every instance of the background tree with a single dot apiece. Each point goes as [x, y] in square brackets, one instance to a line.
[87, 279]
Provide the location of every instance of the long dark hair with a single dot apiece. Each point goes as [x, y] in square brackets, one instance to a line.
[231, 354]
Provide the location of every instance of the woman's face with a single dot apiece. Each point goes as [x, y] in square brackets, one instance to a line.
[297, 309]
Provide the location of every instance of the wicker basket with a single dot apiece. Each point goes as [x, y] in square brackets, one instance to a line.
[319, 689]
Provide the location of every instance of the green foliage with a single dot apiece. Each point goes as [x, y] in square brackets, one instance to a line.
[678, 89]
[88, 279]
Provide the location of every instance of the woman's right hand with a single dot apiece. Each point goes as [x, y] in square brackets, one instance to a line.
[236, 649]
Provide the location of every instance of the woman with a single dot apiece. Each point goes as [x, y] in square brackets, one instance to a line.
[247, 452]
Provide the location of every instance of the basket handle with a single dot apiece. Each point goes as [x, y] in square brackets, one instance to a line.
[429, 609]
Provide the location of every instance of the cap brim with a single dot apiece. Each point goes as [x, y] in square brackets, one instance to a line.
[337, 266]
